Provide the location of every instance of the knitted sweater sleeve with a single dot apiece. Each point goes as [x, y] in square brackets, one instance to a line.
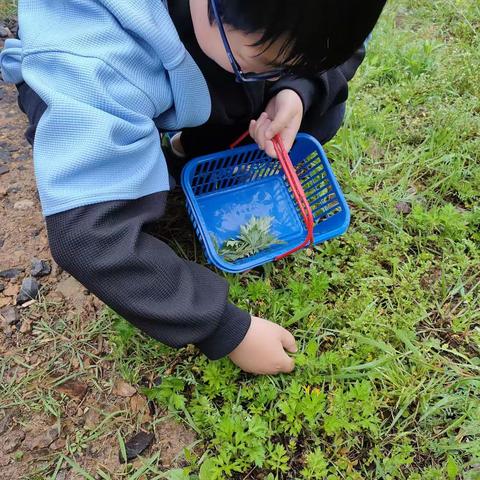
[108, 248]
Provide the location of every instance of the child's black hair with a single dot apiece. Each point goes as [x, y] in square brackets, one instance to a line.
[319, 34]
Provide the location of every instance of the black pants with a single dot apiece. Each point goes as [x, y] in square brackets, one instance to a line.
[200, 140]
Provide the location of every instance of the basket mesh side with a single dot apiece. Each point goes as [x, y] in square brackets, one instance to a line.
[226, 172]
[318, 188]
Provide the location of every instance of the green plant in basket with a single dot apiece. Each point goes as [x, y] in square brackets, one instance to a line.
[254, 237]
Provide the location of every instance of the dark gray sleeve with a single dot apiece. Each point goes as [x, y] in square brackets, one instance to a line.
[107, 248]
[325, 90]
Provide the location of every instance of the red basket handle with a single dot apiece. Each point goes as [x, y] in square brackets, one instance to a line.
[296, 187]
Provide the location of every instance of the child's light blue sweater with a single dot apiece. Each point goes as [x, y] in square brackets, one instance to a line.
[106, 69]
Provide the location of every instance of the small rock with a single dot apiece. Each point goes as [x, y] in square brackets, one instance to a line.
[123, 389]
[5, 32]
[10, 315]
[2, 287]
[12, 440]
[5, 422]
[92, 419]
[62, 475]
[3, 192]
[11, 273]
[5, 156]
[11, 290]
[40, 268]
[138, 404]
[58, 444]
[28, 291]
[26, 326]
[136, 445]
[23, 205]
[73, 388]
[41, 440]
[4, 459]
[55, 296]
[5, 301]
[3, 169]
[404, 208]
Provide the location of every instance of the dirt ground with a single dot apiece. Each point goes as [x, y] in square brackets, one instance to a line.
[59, 393]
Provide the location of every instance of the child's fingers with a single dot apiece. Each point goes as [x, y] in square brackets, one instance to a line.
[261, 129]
[252, 129]
[288, 342]
[288, 364]
[282, 120]
[270, 149]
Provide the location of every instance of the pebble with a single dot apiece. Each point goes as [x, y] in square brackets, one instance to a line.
[23, 205]
[26, 326]
[5, 32]
[404, 207]
[123, 389]
[41, 440]
[28, 291]
[12, 440]
[136, 445]
[10, 315]
[3, 169]
[40, 268]
[11, 273]
[5, 422]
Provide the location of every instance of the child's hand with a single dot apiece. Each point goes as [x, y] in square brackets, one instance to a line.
[262, 350]
[283, 115]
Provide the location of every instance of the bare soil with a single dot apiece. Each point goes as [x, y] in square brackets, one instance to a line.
[57, 391]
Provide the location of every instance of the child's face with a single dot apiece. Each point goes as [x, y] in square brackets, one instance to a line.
[251, 59]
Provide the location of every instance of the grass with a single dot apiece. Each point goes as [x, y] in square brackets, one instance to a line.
[387, 384]
[7, 8]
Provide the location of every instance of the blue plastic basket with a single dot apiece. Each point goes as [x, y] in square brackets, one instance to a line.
[226, 189]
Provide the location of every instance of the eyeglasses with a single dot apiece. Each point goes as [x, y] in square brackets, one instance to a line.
[240, 76]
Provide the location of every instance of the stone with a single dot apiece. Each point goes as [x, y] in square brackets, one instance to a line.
[28, 291]
[11, 273]
[10, 315]
[5, 301]
[5, 31]
[59, 444]
[40, 268]
[26, 326]
[41, 440]
[4, 169]
[4, 459]
[404, 208]
[73, 389]
[12, 440]
[5, 422]
[92, 419]
[11, 290]
[2, 287]
[136, 445]
[123, 389]
[23, 205]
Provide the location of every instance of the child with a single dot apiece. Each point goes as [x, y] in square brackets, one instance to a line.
[99, 80]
